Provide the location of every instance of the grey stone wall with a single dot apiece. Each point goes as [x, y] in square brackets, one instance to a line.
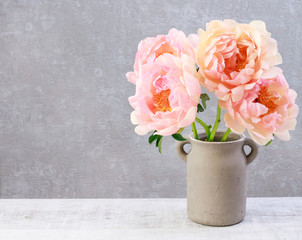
[64, 116]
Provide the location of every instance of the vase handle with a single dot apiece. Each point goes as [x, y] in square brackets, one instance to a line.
[254, 150]
[180, 149]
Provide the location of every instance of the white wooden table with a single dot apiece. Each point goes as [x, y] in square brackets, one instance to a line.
[266, 218]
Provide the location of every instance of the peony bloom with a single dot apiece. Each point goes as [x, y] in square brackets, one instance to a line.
[167, 94]
[175, 43]
[269, 108]
[232, 57]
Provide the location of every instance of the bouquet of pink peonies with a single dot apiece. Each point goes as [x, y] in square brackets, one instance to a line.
[237, 62]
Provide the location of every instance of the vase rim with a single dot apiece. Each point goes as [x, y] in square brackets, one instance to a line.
[202, 134]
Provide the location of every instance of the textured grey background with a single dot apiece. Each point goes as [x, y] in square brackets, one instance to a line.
[64, 116]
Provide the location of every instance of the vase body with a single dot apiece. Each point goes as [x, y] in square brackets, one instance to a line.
[216, 179]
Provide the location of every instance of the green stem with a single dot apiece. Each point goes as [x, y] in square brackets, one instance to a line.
[205, 126]
[194, 130]
[180, 130]
[225, 136]
[211, 139]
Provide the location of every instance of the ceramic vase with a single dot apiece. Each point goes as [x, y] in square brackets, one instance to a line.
[216, 178]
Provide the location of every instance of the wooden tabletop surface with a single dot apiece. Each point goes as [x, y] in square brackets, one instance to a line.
[266, 218]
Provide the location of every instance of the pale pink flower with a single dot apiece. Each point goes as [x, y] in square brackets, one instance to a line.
[175, 43]
[269, 108]
[232, 57]
[167, 94]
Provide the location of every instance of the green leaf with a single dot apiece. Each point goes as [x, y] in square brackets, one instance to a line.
[197, 69]
[204, 97]
[269, 142]
[178, 137]
[199, 108]
[157, 140]
[158, 143]
[153, 137]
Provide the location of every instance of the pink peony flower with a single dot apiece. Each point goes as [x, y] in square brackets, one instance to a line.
[269, 108]
[167, 94]
[175, 43]
[232, 57]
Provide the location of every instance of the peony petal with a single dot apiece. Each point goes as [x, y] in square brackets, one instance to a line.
[133, 101]
[257, 109]
[249, 86]
[233, 124]
[293, 111]
[237, 93]
[210, 76]
[189, 118]
[283, 135]
[210, 85]
[289, 124]
[292, 94]
[243, 109]
[255, 120]
[194, 40]
[271, 73]
[168, 131]
[242, 121]
[141, 130]
[278, 59]
[222, 96]
[258, 138]
[258, 25]
[133, 118]
[230, 108]
[222, 104]
[131, 76]
[192, 86]
[222, 88]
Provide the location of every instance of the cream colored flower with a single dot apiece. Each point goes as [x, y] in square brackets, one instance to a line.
[232, 57]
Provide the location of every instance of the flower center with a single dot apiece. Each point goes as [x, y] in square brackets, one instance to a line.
[161, 101]
[165, 48]
[241, 58]
[268, 99]
[239, 65]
